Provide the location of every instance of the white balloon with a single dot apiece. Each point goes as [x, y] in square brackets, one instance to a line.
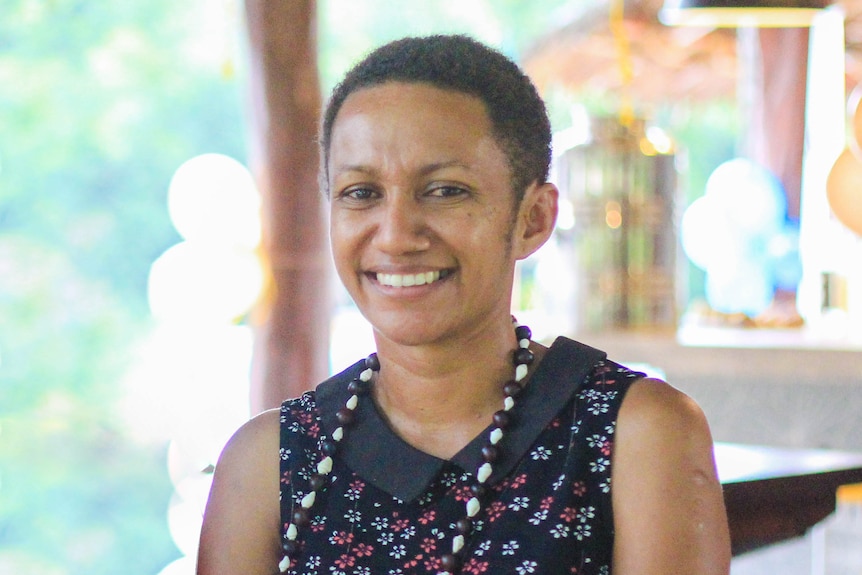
[750, 196]
[201, 282]
[182, 566]
[213, 198]
[184, 523]
[703, 232]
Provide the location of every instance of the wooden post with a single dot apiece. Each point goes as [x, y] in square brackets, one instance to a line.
[292, 321]
[775, 68]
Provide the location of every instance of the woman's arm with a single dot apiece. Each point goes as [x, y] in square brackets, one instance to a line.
[241, 527]
[669, 513]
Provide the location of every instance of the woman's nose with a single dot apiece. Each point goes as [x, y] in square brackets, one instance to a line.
[401, 228]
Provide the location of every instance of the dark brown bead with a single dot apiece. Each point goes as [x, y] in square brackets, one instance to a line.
[512, 389]
[372, 362]
[301, 517]
[464, 526]
[328, 447]
[502, 419]
[345, 416]
[523, 356]
[290, 548]
[358, 387]
[478, 490]
[450, 563]
[489, 453]
[523, 332]
[317, 481]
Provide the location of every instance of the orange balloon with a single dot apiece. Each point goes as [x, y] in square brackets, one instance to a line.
[844, 190]
[854, 111]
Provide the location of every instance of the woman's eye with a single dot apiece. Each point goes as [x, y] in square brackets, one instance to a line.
[447, 191]
[358, 194]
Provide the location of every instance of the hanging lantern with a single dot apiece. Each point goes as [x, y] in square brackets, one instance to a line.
[622, 189]
[741, 13]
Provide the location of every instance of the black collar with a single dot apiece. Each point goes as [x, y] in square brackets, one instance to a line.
[379, 456]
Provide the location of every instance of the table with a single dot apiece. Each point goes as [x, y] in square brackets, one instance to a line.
[774, 494]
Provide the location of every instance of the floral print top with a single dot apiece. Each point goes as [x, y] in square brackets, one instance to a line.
[391, 509]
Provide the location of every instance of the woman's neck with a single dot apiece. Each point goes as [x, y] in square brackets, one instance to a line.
[439, 397]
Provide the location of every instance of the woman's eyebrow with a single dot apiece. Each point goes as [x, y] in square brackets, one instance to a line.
[365, 169]
[424, 170]
[433, 167]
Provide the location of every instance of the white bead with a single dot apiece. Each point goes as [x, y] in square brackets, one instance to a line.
[292, 532]
[352, 402]
[308, 500]
[473, 507]
[338, 434]
[525, 343]
[325, 465]
[366, 374]
[521, 372]
[457, 543]
[484, 472]
[284, 565]
[508, 403]
[496, 436]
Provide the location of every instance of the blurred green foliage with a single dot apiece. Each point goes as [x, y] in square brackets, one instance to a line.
[99, 104]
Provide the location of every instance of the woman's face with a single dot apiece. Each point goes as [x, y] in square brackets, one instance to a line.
[421, 211]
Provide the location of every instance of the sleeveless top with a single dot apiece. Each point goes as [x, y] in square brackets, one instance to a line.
[390, 509]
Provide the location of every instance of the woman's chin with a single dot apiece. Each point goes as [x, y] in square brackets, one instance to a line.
[408, 331]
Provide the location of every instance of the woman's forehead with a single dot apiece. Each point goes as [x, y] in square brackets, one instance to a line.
[412, 126]
[403, 111]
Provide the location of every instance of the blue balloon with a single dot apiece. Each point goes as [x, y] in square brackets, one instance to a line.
[783, 258]
[742, 287]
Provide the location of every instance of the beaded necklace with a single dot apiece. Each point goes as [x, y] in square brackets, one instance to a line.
[522, 357]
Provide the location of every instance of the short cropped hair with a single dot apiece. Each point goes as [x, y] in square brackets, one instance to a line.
[456, 62]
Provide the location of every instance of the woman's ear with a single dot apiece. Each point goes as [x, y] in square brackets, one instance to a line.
[537, 217]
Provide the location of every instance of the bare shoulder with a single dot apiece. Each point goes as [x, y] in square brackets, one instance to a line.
[654, 405]
[240, 531]
[257, 439]
[668, 505]
[661, 430]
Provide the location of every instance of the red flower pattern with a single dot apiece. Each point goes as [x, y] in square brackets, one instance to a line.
[579, 488]
[341, 538]
[475, 566]
[463, 494]
[569, 514]
[432, 564]
[363, 550]
[495, 510]
[428, 517]
[345, 561]
[428, 545]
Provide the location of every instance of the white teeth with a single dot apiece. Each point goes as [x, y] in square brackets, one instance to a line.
[407, 280]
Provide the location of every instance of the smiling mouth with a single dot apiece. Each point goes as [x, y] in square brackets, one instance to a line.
[408, 280]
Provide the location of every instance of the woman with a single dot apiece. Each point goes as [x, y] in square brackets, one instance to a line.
[461, 446]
